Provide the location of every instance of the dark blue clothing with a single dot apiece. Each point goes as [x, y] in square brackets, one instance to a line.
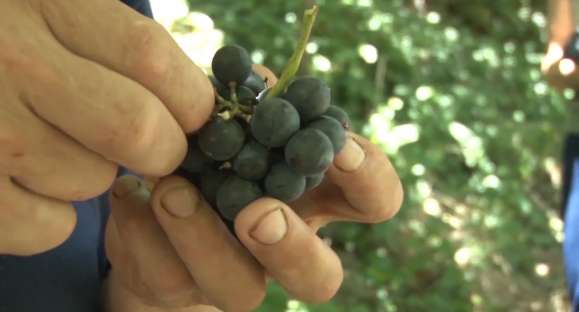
[68, 278]
[571, 213]
[142, 6]
[65, 279]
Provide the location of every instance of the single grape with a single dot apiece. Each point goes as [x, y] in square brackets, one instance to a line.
[255, 83]
[231, 64]
[234, 194]
[245, 95]
[309, 152]
[221, 89]
[252, 162]
[274, 121]
[339, 114]
[314, 181]
[211, 180]
[221, 139]
[310, 96]
[333, 129]
[195, 161]
[283, 183]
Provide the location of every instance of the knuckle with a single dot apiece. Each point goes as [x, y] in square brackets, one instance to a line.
[149, 55]
[139, 138]
[133, 133]
[21, 60]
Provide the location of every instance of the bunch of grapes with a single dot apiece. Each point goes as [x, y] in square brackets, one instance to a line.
[257, 144]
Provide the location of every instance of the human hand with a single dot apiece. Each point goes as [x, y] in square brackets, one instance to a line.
[170, 249]
[559, 71]
[85, 86]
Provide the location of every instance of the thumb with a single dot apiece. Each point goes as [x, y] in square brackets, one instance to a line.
[140, 252]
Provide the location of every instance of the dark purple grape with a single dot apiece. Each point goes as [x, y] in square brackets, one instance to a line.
[340, 115]
[211, 180]
[246, 96]
[221, 139]
[333, 129]
[309, 152]
[221, 89]
[234, 194]
[310, 96]
[252, 162]
[274, 121]
[283, 183]
[195, 161]
[231, 64]
[255, 83]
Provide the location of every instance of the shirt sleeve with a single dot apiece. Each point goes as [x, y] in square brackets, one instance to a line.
[571, 214]
[142, 6]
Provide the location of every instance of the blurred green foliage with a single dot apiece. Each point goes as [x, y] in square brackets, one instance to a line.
[455, 96]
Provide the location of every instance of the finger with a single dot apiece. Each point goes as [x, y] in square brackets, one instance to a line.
[143, 254]
[265, 73]
[31, 223]
[370, 186]
[113, 116]
[44, 160]
[223, 269]
[290, 251]
[110, 33]
[121, 299]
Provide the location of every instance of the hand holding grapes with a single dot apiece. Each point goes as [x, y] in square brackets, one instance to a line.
[85, 87]
[180, 253]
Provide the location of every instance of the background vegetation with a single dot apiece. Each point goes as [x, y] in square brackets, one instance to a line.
[453, 93]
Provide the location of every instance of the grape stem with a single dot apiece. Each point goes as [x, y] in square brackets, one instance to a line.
[293, 65]
[233, 106]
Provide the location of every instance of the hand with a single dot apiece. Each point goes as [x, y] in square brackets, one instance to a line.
[170, 249]
[85, 86]
[560, 73]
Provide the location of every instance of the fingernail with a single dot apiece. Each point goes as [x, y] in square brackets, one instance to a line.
[125, 186]
[270, 228]
[180, 202]
[351, 157]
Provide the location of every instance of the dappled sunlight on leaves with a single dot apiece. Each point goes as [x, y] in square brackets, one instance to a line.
[453, 93]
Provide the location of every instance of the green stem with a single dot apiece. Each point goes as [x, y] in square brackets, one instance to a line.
[294, 63]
